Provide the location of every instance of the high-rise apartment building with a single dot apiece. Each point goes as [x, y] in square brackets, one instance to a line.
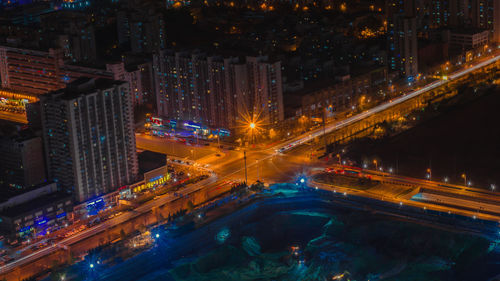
[21, 161]
[37, 72]
[485, 14]
[402, 37]
[138, 76]
[480, 14]
[30, 71]
[496, 21]
[267, 89]
[89, 137]
[141, 25]
[217, 91]
[71, 31]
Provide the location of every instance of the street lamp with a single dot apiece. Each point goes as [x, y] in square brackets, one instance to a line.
[429, 173]
[340, 158]
[493, 187]
[376, 164]
[464, 176]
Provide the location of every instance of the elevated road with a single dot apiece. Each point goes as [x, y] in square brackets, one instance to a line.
[145, 208]
[382, 107]
[263, 162]
[432, 195]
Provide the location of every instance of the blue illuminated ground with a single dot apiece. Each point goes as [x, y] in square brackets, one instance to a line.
[315, 235]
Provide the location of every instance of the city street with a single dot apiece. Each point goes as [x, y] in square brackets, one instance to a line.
[283, 162]
[432, 195]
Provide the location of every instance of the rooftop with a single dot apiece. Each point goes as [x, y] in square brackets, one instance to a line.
[149, 160]
[82, 86]
[468, 31]
[35, 204]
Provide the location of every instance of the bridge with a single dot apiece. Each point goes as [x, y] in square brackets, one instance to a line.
[346, 129]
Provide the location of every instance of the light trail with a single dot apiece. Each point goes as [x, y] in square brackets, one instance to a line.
[385, 106]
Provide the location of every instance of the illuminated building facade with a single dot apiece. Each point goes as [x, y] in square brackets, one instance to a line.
[72, 32]
[38, 72]
[140, 25]
[486, 15]
[138, 76]
[30, 71]
[479, 14]
[89, 137]
[35, 212]
[267, 87]
[402, 37]
[215, 91]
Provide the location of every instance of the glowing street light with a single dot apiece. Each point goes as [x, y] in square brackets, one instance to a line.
[91, 265]
[493, 187]
[464, 176]
[251, 124]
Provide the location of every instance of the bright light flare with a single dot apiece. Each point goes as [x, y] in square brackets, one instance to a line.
[251, 125]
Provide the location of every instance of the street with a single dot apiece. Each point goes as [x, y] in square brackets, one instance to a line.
[282, 162]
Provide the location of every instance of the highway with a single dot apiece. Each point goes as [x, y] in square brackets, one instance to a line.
[379, 108]
[268, 164]
[89, 232]
[444, 197]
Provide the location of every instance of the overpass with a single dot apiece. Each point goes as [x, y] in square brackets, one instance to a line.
[346, 123]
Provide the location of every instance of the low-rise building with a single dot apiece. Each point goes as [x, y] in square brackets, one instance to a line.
[468, 39]
[345, 93]
[35, 212]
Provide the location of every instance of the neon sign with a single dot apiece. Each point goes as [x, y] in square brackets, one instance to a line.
[192, 125]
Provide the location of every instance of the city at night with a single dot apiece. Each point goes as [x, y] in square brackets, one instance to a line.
[249, 140]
